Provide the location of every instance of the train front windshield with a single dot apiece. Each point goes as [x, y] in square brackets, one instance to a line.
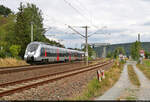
[32, 47]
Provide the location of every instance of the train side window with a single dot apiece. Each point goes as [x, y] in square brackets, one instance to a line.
[42, 51]
[55, 52]
[59, 52]
[50, 52]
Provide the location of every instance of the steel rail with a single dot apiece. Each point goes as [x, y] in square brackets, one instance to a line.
[43, 76]
[53, 79]
[19, 69]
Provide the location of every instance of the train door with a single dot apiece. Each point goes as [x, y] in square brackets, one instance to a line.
[76, 56]
[65, 53]
[69, 56]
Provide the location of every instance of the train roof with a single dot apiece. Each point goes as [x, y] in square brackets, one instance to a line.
[42, 43]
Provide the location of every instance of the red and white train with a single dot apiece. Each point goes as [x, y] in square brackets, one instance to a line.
[43, 52]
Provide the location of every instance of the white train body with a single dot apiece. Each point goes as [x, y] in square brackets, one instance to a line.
[42, 52]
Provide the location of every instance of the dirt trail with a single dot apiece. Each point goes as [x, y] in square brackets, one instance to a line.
[144, 92]
[118, 88]
[125, 90]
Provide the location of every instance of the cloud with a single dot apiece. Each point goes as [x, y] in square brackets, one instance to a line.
[146, 24]
[146, 0]
[124, 19]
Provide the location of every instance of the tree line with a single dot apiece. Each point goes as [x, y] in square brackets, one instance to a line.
[15, 29]
[116, 52]
[135, 51]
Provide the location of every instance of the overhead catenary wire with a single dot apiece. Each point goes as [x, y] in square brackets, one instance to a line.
[89, 14]
[74, 9]
[60, 32]
[86, 27]
[78, 13]
[85, 17]
[84, 9]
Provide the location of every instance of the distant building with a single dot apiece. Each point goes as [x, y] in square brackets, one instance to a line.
[110, 48]
[93, 45]
[96, 44]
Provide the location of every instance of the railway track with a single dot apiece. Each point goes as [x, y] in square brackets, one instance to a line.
[53, 64]
[34, 67]
[27, 66]
[16, 86]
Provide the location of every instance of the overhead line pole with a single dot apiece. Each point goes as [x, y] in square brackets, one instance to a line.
[86, 40]
[75, 31]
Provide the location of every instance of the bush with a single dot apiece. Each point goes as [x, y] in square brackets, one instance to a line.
[123, 61]
[2, 54]
[90, 58]
[14, 50]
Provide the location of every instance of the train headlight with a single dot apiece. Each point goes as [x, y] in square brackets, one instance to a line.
[31, 53]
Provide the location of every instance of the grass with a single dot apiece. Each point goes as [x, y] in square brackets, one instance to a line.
[133, 76]
[128, 94]
[147, 62]
[96, 88]
[145, 67]
[8, 62]
[131, 98]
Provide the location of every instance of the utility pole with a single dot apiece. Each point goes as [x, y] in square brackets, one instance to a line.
[139, 37]
[31, 31]
[86, 40]
[86, 43]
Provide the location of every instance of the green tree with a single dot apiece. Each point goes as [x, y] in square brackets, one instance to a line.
[90, 50]
[2, 53]
[7, 32]
[135, 48]
[4, 10]
[117, 51]
[15, 49]
[27, 14]
[147, 54]
[109, 55]
[15, 29]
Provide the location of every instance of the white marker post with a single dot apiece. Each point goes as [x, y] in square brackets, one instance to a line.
[99, 75]
[103, 75]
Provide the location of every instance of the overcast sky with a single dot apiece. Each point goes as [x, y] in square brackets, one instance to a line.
[117, 21]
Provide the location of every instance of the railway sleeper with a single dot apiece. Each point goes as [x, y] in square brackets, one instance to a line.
[26, 85]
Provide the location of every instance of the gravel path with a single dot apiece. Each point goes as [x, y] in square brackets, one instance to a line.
[144, 93]
[118, 88]
[129, 93]
[123, 89]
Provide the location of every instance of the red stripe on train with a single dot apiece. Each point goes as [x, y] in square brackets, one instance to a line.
[57, 54]
[45, 53]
